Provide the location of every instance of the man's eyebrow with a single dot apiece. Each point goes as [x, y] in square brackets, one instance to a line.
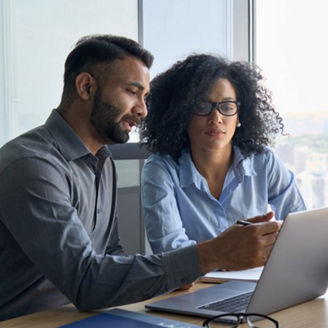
[137, 84]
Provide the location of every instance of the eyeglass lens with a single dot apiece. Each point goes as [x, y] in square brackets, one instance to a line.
[252, 321]
[227, 108]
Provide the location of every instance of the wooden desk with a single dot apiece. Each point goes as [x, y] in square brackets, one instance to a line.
[312, 314]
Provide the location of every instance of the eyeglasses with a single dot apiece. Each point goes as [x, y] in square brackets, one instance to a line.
[226, 108]
[262, 321]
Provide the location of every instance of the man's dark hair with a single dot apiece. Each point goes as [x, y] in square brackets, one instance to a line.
[91, 52]
[175, 92]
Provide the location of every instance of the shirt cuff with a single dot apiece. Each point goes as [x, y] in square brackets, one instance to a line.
[182, 266]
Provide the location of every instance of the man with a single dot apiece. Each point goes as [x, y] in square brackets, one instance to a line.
[58, 223]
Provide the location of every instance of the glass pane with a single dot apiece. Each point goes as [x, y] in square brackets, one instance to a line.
[293, 57]
[37, 36]
[174, 29]
[260, 322]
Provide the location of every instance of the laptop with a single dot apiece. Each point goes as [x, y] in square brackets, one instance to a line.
[296, 271]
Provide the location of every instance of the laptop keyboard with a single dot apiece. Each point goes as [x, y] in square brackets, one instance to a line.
[234, 304]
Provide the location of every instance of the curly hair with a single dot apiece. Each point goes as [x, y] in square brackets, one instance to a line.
[175, 92]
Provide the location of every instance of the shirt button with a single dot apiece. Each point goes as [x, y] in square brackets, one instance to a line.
[98, 210]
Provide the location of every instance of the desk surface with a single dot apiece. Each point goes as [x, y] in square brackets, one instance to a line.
[312, 314]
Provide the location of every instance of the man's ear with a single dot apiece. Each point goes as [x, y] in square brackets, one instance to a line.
[85, 86]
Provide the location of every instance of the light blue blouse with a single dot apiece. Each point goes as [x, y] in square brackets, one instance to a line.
[179, 209]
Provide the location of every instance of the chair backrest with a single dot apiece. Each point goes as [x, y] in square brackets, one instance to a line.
[130, 150]
[129, 158]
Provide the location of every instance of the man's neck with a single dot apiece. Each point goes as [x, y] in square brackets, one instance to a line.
[79, 121]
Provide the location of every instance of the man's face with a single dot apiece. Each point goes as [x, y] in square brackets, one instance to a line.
[119, 104]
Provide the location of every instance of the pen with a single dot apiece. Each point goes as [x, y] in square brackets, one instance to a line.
[243, 222]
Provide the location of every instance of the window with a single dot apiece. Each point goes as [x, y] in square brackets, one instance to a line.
[36, 36]
[292, 52]
[174, 29]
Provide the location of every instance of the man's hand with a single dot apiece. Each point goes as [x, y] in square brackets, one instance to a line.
[239, 247]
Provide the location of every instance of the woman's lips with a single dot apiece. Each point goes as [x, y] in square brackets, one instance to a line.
[215, 133]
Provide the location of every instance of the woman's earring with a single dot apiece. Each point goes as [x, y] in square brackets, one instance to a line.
[238, 125]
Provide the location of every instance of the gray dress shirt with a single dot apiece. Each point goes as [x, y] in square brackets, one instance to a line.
[58, 230]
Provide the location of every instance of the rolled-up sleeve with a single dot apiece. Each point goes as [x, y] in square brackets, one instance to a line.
[283, 193]
[36, 208]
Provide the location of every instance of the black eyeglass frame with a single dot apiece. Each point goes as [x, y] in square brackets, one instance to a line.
[216, 105]
[240, 317]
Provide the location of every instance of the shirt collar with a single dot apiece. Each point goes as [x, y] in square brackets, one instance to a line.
[188, 172]
[241, 165]
[69, 143]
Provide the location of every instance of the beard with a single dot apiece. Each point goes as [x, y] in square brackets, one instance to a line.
[104, 118]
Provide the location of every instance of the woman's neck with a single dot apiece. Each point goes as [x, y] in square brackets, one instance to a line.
[210, 163]
[213, 166]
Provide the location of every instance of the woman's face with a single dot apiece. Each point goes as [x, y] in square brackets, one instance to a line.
[215, 131]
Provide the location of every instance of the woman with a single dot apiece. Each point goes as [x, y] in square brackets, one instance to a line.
[209, 124]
